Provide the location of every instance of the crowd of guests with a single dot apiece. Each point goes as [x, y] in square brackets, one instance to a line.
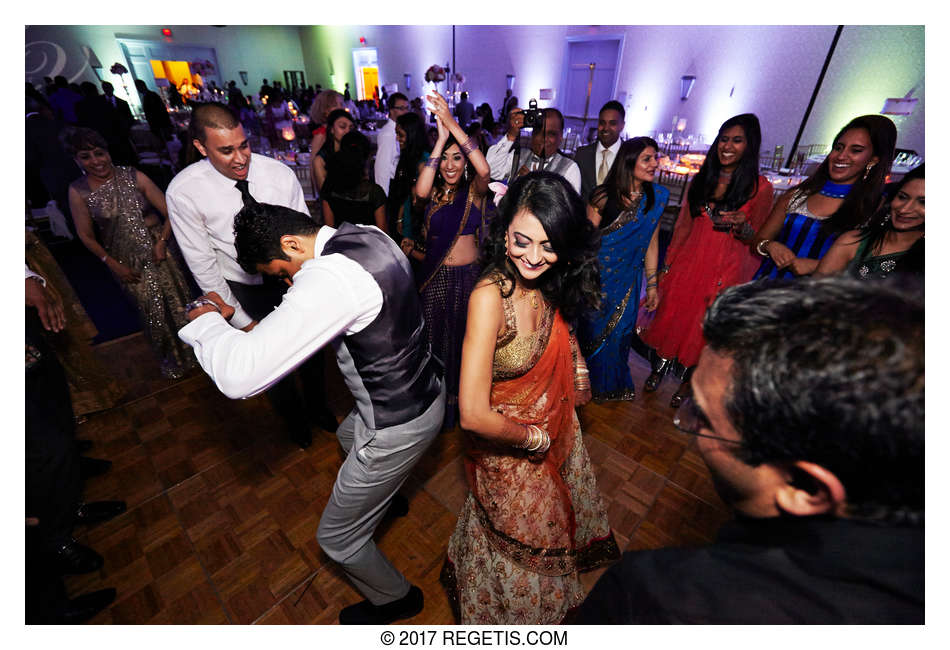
[500, 288]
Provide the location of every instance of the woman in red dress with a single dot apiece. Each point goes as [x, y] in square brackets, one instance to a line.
[727, 201]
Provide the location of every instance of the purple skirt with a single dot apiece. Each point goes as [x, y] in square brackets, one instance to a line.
[445, 306]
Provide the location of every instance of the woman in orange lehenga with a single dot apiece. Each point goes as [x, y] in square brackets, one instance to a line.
[534, 518]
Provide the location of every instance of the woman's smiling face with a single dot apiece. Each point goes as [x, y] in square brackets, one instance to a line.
[529, 248]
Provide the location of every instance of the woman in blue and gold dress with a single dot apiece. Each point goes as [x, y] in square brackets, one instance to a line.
[841, 195]
[627, 210]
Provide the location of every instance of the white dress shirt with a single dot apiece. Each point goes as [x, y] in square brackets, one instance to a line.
[500, 156]
[331, 296]
[611, 156]
[202, 204]
[387, 155]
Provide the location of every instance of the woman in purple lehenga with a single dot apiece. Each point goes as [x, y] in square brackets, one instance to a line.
[453, 190]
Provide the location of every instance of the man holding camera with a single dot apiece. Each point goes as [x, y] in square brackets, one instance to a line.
[508, 161]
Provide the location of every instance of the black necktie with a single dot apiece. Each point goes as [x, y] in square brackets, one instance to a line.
[245, 193]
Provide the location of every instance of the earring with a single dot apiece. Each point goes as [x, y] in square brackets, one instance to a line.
[465, 173]
[867, 170]
[887, 218]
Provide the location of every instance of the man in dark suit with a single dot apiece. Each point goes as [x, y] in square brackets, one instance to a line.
[155, 112]
[596, 159]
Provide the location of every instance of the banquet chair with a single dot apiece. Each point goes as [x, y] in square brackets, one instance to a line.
[676, 184]
[302, 172]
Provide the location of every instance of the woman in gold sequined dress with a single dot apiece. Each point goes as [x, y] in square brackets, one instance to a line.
[133, 242]
[534, 518]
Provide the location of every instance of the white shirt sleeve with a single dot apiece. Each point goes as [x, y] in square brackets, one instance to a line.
[383, 169]
[297, 202]
[192, 237]
[499, 158]
[330, 296]
[573, 176]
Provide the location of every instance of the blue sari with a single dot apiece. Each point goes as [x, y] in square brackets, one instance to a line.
[606, 335]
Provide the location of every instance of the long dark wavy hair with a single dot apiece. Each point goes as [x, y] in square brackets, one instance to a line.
[619, 182]
[865, 197]
[745, 179]
[881, 224]
[572, 284]
[409, 155]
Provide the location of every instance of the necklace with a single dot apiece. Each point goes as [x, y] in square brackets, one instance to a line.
[835, 190]
[534, 296]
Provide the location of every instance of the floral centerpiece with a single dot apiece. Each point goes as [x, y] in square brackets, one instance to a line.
[435, 73]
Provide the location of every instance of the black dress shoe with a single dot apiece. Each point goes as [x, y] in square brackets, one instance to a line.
[81, 608]
[73, 558]
[366, 613]
[89, 467]
[96, 511]
[684, 391]
[398, 507]
[83, 445]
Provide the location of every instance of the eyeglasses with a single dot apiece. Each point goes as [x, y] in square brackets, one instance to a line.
[689, 418]
[401, 107]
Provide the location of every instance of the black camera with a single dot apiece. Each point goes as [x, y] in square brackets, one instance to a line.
[533, 116]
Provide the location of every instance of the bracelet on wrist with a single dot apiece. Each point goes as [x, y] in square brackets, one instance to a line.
[468, 146]
[104, 258]
[761, 247]
[651, 285]
[433, 162]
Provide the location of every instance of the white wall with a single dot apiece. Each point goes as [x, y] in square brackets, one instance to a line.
[767, 70]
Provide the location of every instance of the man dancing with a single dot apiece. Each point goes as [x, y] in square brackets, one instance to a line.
[351, 288]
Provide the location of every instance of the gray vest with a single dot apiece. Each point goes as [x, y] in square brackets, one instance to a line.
[388, 365]
[557, 163]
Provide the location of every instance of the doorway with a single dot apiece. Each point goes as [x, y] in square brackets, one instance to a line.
[366, 65]
[159, 64]
[590, 79]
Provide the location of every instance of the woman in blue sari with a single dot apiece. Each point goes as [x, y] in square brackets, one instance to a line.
[626, 209]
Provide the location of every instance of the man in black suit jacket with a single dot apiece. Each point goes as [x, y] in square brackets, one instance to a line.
[155, 112]
[590, 157]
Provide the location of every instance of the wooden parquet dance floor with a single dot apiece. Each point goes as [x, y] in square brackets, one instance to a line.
[223, 510]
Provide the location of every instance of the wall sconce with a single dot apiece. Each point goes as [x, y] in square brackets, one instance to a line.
[686, 86]
[408, 79]
[899, 106]
[510, 80]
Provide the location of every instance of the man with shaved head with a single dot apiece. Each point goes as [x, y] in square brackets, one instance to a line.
[202, 202]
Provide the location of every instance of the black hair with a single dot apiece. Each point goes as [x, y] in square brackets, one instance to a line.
[211, 116]
[391, 101]
[469, 172]
[346, 168]
[913, 260]
[258, 228]
[865, 197]
[79, 138]
[89, 89]
[409, 155]
[572, 284]
[830, 371]
[614, 105]
[618, 184]
[335, 114]
[745, 179]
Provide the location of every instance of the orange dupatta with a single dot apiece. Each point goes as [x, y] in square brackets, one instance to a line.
[525, 505]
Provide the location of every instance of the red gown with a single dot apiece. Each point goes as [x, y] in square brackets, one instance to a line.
[703, 262]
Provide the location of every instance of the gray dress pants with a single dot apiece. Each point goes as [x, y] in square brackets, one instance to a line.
[377, 464]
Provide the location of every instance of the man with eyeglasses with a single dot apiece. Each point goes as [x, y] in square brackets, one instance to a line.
[809, 410]
[387, 151]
